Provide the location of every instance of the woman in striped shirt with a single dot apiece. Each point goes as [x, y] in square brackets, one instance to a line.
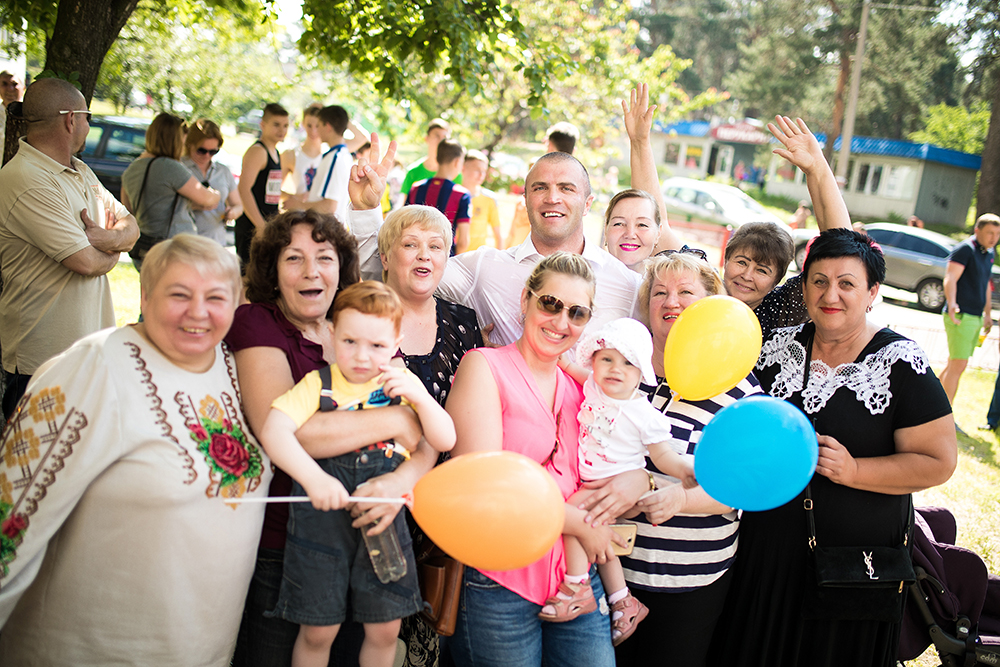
[686, 541]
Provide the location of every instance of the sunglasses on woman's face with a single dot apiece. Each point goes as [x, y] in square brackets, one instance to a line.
[697, 252]
[550, 304]
[207, 151]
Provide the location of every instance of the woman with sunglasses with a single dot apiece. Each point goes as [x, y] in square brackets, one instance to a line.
[159, 191]
[204, 140]
[516, 398]
[686, 541]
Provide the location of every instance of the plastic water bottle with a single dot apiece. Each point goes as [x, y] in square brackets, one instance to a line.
[387, 556]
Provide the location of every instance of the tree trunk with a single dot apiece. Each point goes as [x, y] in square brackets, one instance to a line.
[837, 118]
[83, 33]
[988, 199]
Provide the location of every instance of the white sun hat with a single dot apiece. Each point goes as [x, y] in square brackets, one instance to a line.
[630, 337]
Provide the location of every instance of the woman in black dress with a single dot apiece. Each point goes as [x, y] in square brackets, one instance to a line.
[885, 430]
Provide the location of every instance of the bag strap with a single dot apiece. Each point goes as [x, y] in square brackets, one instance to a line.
[142, 188]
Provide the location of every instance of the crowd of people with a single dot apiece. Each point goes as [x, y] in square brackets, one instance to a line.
[358, 350]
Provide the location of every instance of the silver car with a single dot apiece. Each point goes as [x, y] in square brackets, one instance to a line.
[691, 200]
[915, 260]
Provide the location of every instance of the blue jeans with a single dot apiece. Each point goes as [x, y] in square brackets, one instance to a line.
[993, 416]
[497, 627]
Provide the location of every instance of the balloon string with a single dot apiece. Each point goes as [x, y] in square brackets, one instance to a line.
[305, 499]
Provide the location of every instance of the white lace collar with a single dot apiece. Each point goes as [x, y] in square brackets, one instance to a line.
[868, 378]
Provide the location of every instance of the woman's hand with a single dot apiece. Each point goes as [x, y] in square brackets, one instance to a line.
[801, 147]
[368, 181]
[638, 115]
[663, 505]
[597, 541]
[611, 497]
[835, 462]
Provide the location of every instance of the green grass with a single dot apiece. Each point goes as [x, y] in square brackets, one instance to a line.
[125, 292]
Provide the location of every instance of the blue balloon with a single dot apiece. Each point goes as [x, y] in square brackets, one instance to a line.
[756, 454]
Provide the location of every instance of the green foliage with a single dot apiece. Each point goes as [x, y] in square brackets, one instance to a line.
[592, 60]
[782, 202]
[955, 127]
[194, 61]
[72, 77]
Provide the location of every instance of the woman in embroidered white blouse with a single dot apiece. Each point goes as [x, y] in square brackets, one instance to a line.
[885, 430]
[117, 545]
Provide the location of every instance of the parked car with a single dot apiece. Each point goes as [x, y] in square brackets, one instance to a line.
[112, 143]
[701, 201]
[915, 260]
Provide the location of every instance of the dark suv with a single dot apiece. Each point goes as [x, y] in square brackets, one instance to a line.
[112, 143]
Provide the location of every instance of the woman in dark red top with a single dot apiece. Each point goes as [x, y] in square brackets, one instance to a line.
[297, 264]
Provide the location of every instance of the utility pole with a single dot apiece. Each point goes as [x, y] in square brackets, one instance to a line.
[852, 100]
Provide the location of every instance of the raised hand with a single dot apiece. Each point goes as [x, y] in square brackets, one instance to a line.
[638, 113]
[367, 182]
[801, 147]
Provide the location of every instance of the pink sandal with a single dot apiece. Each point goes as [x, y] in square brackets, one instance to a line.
[632, 612]
[580, 601]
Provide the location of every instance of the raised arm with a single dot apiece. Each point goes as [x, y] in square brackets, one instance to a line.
[803, 150]
[638, 124]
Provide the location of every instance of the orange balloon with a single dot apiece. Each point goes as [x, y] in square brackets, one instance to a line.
[490, 510]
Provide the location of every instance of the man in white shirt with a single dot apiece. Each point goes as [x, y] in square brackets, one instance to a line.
[558, 196]
[328, 191]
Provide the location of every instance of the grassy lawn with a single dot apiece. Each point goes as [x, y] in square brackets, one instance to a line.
[972, 494]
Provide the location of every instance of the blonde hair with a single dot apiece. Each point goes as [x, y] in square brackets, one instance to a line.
[566, 263]
[677, 262]
[203, 254]
[165, 136]
[397, 222]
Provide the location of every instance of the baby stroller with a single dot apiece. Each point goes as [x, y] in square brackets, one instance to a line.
[955, 601]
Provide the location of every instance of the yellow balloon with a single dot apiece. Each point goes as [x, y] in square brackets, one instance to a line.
[490, 510]
[711, 347]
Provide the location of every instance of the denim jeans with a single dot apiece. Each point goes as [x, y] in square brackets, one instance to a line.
[497, 627]
[993, 416]
[268, 642]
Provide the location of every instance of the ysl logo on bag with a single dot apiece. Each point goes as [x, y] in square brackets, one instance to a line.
[868, 564]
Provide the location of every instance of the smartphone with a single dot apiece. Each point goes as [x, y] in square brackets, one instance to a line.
[626, 531]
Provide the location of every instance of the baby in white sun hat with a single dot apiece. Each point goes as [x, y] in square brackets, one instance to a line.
[618, 430]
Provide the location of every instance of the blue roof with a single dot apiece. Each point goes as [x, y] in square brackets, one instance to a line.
[900, 148]
[689, 128]
[859, 145]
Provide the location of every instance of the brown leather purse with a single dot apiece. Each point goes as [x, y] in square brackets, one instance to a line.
[440, 578]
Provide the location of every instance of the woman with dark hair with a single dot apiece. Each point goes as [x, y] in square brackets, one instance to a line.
[298, 262]
[204, 141]
[159, 190]
[885, 431]
[758, 253]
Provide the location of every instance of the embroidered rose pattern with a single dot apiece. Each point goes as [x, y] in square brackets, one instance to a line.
[12, 527]
[229, 453]
[235, 463]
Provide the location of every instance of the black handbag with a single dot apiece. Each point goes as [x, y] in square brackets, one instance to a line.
[859, 567]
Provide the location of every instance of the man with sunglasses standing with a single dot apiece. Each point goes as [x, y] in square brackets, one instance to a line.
[61, 232]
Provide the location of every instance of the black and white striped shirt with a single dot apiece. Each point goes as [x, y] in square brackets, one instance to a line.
[690, 550]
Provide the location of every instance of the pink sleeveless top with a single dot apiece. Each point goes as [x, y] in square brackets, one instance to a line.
[530, 428]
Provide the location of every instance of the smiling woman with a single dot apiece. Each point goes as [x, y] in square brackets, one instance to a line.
[143, 439]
